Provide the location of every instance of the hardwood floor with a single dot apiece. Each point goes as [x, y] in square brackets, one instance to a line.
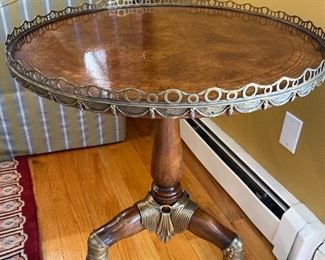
[77, 191]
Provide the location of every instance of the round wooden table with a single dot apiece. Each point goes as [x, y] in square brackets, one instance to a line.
[167, 60]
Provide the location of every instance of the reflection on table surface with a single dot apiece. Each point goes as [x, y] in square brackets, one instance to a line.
[170, 47]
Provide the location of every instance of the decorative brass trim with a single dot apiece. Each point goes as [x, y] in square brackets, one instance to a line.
[97, 249]
[96, 99]
[235, 251]
[166, 220]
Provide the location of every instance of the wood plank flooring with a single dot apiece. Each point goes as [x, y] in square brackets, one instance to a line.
[77, 191]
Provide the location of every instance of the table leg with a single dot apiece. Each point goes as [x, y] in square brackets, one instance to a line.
[207, 227]
[167, 209]
[124, 225]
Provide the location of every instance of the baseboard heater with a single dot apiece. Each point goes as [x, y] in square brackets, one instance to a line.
[293, 230]
[262, 191]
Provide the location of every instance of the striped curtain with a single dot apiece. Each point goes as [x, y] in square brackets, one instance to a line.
[32, 125]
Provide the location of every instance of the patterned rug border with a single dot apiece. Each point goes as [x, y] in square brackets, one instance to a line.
[26, 234]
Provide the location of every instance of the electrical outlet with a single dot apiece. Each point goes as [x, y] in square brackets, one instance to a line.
[290, 133]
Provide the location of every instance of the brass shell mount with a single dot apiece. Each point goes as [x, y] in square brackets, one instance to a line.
[235, 251]
[166, 220]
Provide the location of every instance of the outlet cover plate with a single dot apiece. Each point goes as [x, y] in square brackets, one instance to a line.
[291, 132]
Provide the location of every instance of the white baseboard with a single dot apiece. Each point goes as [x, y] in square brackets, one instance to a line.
[320, 253]
[297, 236]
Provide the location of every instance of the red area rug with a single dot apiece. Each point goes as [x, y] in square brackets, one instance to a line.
[19, 237]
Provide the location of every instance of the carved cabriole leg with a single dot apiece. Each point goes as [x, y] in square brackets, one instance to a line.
[167, 209]
[124, 225]
[207, 227]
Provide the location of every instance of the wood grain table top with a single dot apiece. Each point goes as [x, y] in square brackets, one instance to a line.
[155, 49]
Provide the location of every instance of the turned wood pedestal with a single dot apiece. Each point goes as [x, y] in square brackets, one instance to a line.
[167, 208]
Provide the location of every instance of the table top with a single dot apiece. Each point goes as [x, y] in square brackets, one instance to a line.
[168, 61]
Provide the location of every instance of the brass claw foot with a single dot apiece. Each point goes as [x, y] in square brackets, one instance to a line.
[97, 249]
[234, 251]
[166, 220]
